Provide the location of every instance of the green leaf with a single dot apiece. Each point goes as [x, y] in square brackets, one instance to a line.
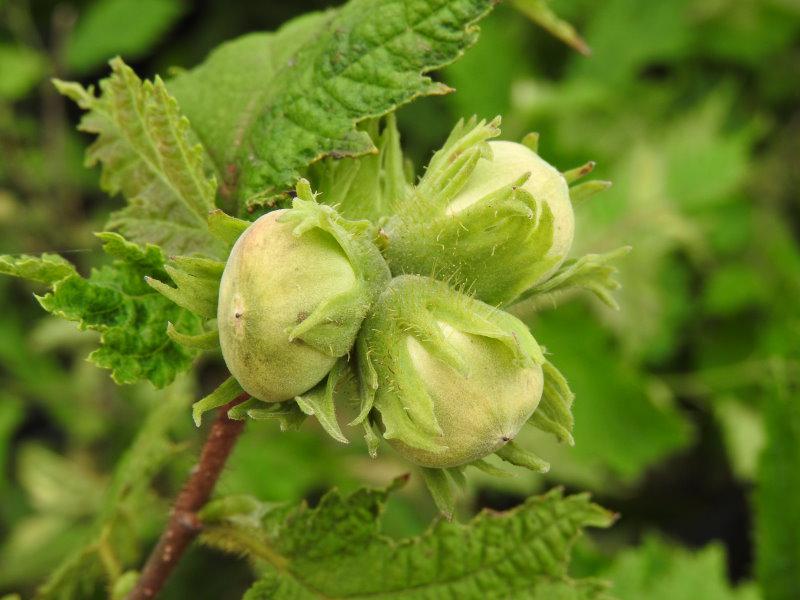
[57, 485]
[336, 550]
[370, 186]
[22, 69]
[319, 401]
[660, 571]
[113, 541]
[267, 105]
[131, 317]
[144, 146]
[119, 27]
[224, 393]
[592, 272]
[196, 284]
[778, 493]
[47, 268]
[612, 399]
[540, 13]
[11, 415]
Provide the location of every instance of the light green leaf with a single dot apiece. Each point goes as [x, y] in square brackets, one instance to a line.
[778, 494]
[119, 27]
[47, 268]
[196, 284]
[57, 485]
[612, 399]
[267, 105]
[125, 505]
[144, 146]
[660, 571]
[22, 69]
[131, 317]
[319, 401]
[224, 393]
[336, 550]
[370, 186]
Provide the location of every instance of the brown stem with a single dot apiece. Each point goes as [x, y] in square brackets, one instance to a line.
[183, 525]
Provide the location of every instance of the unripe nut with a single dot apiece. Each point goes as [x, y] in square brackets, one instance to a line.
[479, 412]
[546, 184]
[273, 280]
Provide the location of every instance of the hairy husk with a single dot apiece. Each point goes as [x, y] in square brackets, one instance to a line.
[272, 282]
[452, 378]
[478, 412]
[546, 184]
[490, 216]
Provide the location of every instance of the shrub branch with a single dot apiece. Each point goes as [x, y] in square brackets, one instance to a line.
[184, 525]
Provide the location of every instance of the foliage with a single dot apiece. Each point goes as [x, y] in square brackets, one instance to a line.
[660, 570]
[316, 78]
[778, 498]
[690, 108]
[336, 550]
[116, 301]
[144, 147]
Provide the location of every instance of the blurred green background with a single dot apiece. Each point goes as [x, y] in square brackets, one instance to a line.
[691, 108]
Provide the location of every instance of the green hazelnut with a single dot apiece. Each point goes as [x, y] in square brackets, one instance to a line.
[295, 289]
[510, 160]
[452, 378]
[479, 411]
[489, 215]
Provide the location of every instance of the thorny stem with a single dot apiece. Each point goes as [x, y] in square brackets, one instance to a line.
[184, 525]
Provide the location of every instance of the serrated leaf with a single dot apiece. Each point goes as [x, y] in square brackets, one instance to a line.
[144, 147]
[267, 105]
[131, 317]
[778, 495]
[336, 550]
[47, 268]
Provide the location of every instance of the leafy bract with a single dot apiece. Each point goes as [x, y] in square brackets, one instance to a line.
[144, 146]
[269, 104]
[116, 301]
[540, 13]
[778, 496]
[47, 268]
[336, 550]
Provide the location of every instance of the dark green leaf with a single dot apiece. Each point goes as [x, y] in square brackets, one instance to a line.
[336, 550]
[267, 105]
[778, 495]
